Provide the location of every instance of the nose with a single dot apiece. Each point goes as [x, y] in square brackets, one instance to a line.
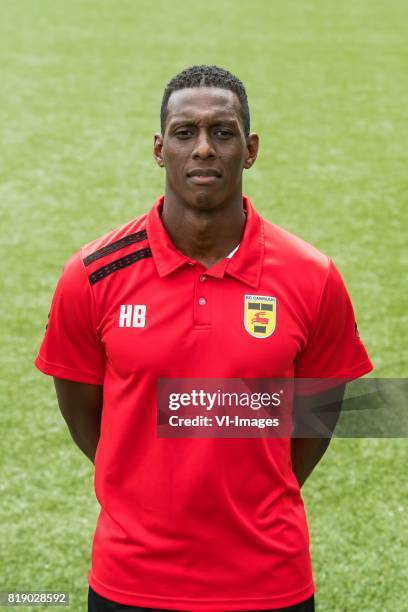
[203, 148]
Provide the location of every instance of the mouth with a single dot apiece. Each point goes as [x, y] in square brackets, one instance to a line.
[204, 177]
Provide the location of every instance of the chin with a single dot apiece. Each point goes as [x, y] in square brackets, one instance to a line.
[203, 200]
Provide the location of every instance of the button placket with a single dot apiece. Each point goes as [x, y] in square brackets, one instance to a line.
[202, 300]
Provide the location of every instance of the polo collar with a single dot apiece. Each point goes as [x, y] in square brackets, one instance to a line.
[245, 265]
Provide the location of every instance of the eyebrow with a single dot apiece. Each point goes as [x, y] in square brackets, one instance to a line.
[176, 122]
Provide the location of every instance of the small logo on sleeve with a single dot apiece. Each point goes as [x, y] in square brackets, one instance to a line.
[260, 315]
[132, 315]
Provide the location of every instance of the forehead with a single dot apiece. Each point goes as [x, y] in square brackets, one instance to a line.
[202, 103]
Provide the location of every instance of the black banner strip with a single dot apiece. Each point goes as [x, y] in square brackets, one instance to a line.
[119, 264]
[115, 246]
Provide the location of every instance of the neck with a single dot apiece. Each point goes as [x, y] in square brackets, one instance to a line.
[207, 236]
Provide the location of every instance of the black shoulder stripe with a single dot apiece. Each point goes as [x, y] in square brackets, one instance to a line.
[115, 246]
[118, 264]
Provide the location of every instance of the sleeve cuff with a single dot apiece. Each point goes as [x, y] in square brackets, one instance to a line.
[311, 385]
[60, 371]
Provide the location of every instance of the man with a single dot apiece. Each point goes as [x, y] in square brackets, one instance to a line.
[200, 524]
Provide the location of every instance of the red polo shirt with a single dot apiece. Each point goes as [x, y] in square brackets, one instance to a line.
[196, 524]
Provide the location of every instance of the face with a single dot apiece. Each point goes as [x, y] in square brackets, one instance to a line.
[204, 148]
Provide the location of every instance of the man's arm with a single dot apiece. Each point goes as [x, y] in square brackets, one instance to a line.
[81, 407]
[318, 416]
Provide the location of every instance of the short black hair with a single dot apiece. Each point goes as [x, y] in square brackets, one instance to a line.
[206, 76]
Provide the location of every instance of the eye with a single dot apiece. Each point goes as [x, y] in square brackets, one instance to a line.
[223, 133]
[183, 133]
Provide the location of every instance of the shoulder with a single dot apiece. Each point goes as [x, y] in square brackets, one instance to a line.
[113, 243]
[293, 255]
[129, 233]
[290, 247]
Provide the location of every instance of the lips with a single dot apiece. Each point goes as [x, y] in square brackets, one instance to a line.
[207, 172]
[204, 176]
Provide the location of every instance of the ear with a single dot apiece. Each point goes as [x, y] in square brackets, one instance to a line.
[252, 150]
[157, 150]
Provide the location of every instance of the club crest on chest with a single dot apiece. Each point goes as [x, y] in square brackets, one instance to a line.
[260, 315]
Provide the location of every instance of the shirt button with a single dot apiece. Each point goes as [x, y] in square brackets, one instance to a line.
[202, 301]
[202, 277]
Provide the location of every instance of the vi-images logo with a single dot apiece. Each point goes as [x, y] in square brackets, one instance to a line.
[132, 315]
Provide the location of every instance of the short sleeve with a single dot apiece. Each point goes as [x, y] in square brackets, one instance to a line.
[71, 348]
[334, 349]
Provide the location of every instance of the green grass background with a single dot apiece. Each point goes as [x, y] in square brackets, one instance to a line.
[81, 84]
